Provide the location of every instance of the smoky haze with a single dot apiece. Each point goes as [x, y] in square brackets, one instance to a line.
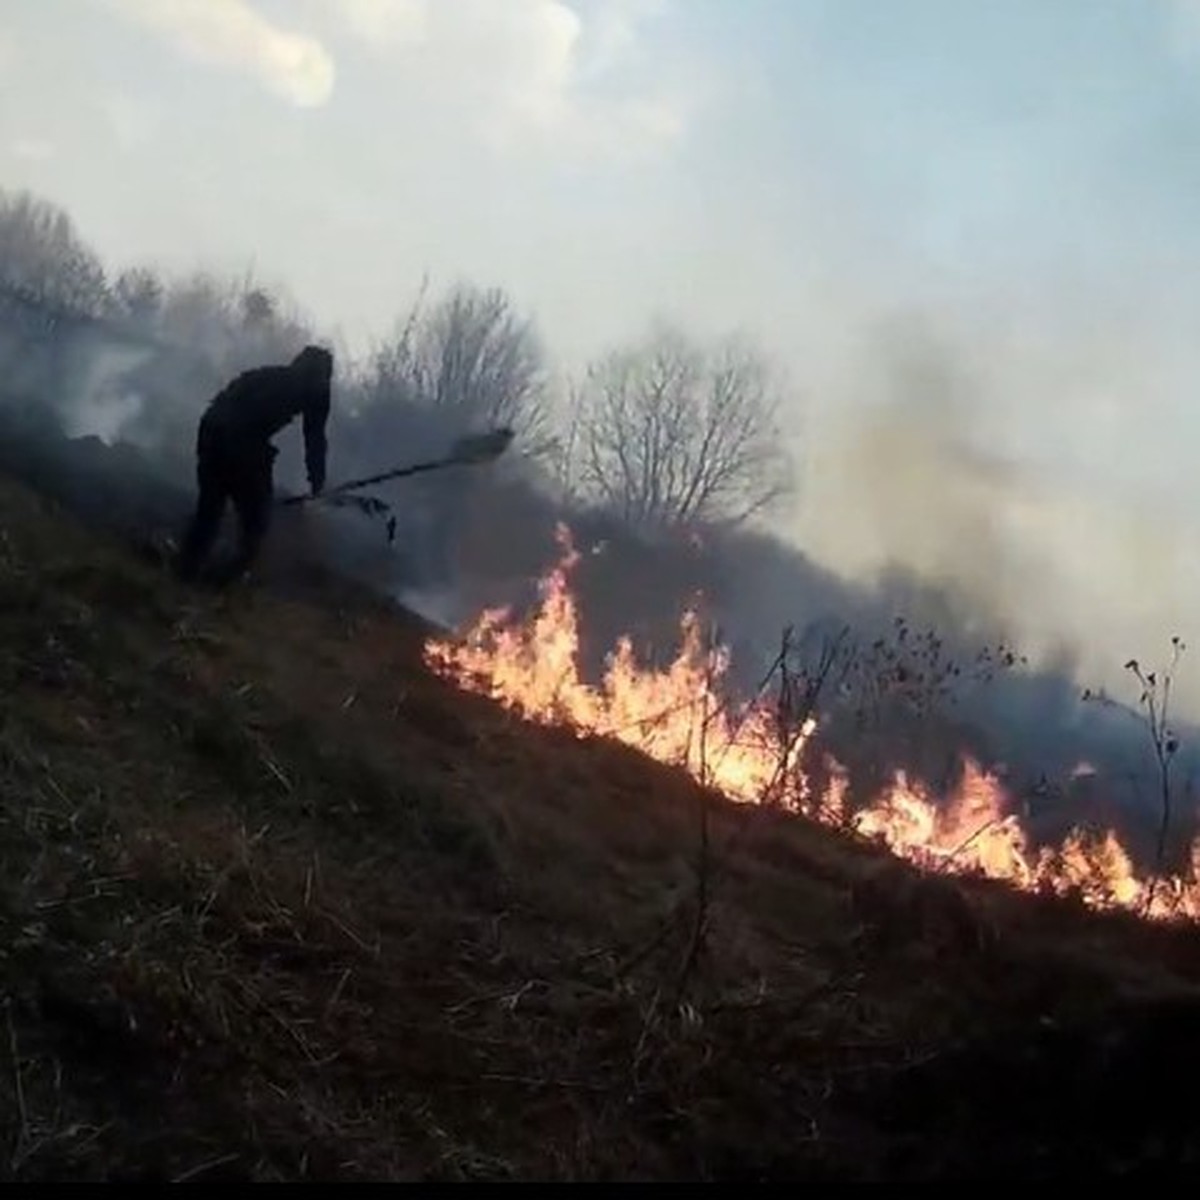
[937, 261]
[918, 546]
[972, 464]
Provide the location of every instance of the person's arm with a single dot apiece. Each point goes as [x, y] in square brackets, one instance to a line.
[316, 413]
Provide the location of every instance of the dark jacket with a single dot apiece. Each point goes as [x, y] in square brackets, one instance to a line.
[260, 402]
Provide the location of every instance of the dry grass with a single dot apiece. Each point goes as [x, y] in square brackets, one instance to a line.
[276, 905]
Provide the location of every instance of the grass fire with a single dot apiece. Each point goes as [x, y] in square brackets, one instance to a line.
[280, 903]
[598, 592]
[679, 716]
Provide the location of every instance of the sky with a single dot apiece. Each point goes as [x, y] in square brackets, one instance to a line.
[966, 228]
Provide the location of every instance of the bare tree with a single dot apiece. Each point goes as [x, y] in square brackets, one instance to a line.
[209, 328]
[43, 256]
[471, 358]
[138, 294]
[672, 435]
[235, 323]
[1155, 705]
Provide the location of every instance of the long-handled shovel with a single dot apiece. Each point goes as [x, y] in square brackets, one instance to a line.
[467, 451]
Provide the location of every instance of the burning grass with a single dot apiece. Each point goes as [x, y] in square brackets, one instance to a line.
[756, 754]
[276, 904]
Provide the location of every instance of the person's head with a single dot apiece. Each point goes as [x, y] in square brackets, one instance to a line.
[314, 367]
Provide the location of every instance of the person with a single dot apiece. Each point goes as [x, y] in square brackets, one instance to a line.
[235, 456]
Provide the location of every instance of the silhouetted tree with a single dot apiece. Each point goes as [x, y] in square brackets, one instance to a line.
[137, 294]
[669, 434]
[471, 358]
[258, 308]
[43, 256]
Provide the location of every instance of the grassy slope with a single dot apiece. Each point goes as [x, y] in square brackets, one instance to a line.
[275, 904]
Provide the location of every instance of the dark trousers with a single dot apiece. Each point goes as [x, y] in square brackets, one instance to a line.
[228, 468]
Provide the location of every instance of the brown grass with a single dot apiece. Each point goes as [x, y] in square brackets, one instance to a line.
[277, 905]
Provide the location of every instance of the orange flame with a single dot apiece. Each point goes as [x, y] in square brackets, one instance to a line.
[676, 716]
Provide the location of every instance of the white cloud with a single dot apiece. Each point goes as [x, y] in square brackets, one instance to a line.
[234, 35]
[7, 50]
[616, 32]
[529, 71]
[385, 23]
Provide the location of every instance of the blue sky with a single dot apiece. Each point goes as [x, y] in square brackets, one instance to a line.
[1059, 127]
[1013, 180]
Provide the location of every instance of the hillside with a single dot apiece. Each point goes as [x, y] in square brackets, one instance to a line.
[277, 904]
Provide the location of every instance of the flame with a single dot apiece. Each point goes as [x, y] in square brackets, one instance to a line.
[676, 715]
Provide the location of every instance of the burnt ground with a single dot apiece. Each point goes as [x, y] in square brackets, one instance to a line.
[275, 904]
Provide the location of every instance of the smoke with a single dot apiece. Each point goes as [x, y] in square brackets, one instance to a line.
[74, 383]
[96, 402]
[1058, 540]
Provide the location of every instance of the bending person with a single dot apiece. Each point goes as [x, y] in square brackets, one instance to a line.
[235, 457]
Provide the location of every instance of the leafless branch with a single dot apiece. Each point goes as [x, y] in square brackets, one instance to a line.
[674, 435]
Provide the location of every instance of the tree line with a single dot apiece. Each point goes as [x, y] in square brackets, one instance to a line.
[667, 434]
